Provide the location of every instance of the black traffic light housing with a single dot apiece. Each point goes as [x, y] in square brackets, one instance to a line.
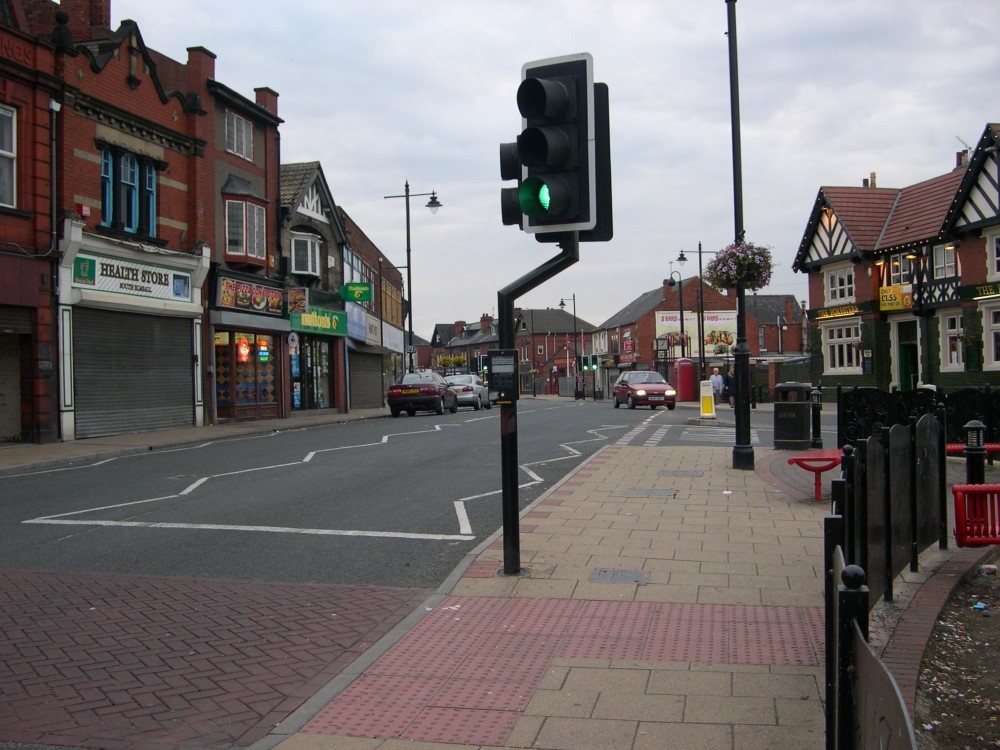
[553, 158]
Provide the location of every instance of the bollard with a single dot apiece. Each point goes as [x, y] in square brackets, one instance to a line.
[975, 452]
[816, 397]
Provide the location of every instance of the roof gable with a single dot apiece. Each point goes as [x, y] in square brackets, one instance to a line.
[978, 201]
[844, 221]
[635, 309]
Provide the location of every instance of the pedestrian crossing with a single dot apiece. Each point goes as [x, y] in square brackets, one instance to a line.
[650, 436]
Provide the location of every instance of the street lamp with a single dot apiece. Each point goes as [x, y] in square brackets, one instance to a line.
[576, 352]
[433, 204]
[680, 297]
[701, 313]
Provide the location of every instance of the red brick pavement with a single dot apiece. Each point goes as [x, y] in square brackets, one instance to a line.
[124, 661]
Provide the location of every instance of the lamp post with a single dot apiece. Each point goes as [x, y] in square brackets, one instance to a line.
[743, 454]
[701, 314]
[680, 298]
[433, 204]
[576, 352]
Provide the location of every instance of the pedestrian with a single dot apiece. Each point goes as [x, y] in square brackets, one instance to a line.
[717, 384]
[728, 388]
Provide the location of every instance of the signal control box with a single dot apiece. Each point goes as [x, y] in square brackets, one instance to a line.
[503, 377]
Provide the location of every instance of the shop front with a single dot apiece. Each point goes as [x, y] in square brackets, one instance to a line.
[366, 358]
[248, 334]
[27, 356]
[315, 349]
[130, 319]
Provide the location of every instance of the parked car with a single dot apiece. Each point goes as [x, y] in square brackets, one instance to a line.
[643, 388]
[471, 391]
[421, 391]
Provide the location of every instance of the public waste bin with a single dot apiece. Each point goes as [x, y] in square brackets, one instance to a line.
[791, 416]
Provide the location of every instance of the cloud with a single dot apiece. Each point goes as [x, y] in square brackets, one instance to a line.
[387, 91]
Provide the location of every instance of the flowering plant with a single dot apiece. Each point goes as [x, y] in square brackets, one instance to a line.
[740, 264]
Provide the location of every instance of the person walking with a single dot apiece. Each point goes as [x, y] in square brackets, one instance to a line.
[718, 384]
[728, 388]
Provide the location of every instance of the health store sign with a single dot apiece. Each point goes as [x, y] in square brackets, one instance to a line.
[124, 277]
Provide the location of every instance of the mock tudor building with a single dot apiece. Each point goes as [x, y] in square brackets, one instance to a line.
[904, 283]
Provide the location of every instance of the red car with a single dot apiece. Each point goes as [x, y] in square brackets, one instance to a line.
[421, 391]
[643, 388]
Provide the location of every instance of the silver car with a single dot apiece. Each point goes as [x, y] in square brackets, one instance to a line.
[471, 391]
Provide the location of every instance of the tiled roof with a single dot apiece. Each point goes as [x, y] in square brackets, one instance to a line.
[634, 309]
[553, 320]
[295, 178]
[862, 211]
[920, 212]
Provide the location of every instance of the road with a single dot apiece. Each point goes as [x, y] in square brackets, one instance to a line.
[258, 568]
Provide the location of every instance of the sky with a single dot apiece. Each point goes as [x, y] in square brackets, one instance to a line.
[382, 92]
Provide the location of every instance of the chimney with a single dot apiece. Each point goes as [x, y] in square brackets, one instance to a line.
[873, 180]
[485, 321]
[88, 19]
[268, 99]
[864, 182]
[961, 159]
[459, 328]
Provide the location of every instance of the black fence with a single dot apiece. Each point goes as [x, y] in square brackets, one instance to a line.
[888, 506]
[864, 412]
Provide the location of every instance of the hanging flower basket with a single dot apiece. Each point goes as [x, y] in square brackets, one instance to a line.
[741, 264]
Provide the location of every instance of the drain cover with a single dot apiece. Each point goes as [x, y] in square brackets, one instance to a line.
[681, 473]
[641, 492]
[603, 575]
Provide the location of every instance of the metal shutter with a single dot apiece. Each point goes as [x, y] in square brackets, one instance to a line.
[366, 380]
[131, 372]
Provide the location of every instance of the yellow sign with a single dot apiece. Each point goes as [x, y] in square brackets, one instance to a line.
[894, 297]
[838, 312]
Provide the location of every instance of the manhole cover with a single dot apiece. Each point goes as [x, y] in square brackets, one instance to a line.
[603, 575]
[681, 473]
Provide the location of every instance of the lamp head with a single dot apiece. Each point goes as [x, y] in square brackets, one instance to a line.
[681, 259]
[434, 204]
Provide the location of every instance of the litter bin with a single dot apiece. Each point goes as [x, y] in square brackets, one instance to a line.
[791, 416]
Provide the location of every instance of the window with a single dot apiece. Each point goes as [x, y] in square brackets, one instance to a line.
[991, 337]
[128, 192]
[993, 256]
[8, 156]
[245, 227]
[842, 347]
[840, 285]
[945, 266]
[239, 136]
[900, 269]
[306, 254]
[952, 350]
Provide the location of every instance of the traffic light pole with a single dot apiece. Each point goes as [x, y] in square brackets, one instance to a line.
[570, 244]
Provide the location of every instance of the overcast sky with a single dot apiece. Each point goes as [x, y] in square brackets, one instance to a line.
[384, 91]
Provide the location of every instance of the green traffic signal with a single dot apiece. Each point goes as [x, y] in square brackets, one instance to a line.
[539, 196]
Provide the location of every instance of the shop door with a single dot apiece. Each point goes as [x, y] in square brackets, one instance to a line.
[319, 393]
[131, 372]
[10, 388]
[908, 355]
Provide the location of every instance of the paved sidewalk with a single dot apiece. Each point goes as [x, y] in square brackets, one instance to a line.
[667, 601]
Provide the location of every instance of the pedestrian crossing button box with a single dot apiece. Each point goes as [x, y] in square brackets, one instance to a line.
[503, 378]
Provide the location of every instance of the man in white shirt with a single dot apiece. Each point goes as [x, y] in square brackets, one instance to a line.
[717, 384]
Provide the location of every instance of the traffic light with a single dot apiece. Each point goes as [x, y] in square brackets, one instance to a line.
[553, 157]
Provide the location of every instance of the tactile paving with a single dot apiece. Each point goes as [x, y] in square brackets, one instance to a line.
[488, 657]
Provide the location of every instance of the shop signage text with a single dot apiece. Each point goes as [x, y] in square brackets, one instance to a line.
[320, 320]
[125, 277]
[838, 312]
[248, 296]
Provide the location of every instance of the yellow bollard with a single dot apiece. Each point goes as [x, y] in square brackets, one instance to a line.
[707, 400]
